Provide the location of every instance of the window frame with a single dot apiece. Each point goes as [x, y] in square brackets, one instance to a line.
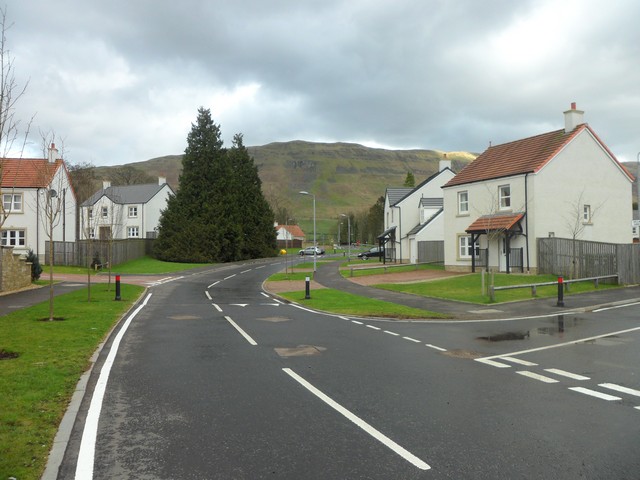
[464, 202]
[131, 230]
[105, 212]
[11, 202]
[504, 200]
[18, 239]
[133, 211]
[466, 239]
[586, 214]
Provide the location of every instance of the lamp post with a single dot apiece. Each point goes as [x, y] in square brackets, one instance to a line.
[348, 236]
[315, 252]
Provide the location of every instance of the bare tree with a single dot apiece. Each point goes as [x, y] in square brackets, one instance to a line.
[578, 216]
[130, 175]
[10, 93]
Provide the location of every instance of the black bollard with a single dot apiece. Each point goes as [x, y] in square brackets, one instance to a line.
[118, 288]
[307, 294]
[560, 293]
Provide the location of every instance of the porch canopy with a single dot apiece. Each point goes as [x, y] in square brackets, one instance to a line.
[508, 224]
[389, 235]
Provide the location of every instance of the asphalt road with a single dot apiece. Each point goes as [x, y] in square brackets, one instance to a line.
[215, 380]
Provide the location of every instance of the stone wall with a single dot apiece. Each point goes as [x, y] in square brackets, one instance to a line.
[15, 272]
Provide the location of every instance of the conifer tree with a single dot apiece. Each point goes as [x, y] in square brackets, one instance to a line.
[219, 213]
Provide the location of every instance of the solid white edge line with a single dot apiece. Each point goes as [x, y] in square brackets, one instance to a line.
[217, 307]
[536, 376]
[563, 373]
[386, 441]
[620, 388]
[86, 454]
[241, 331]
[593, 393]
[604, 309]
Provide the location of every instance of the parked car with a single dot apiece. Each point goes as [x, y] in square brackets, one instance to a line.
[375, 252]
[310, 251]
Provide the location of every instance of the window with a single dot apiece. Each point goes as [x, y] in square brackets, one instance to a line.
[463, 203]
[13, 238]
[92, 233]
[105, 212]
[586, 213]
[90, 212]
[504, 193]
[133, 212]
[12, 202]
[132, 232]
[464, 247]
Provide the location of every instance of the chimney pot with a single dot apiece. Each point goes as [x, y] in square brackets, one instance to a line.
[573, 105]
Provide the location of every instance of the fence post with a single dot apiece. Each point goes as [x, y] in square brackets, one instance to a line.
[534, 291]
[492, 293]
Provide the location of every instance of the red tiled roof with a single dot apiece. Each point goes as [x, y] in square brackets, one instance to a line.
[27, 172]
[294, 230]
[528, 155]
[491, 223]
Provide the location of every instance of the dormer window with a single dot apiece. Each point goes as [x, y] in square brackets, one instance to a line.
[504, 196]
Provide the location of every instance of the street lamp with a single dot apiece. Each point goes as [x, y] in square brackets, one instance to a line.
[348, 236]
[315, 251]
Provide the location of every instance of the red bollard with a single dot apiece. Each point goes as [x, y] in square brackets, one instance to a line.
[560, 292]
[118, 288]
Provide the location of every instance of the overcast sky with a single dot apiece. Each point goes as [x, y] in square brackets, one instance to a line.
[120, 81]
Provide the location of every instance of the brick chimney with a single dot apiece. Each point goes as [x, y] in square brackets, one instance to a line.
[573, 118]
[53, 153]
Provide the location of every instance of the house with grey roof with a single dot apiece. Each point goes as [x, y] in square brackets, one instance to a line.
[121, 212]
[413, 217]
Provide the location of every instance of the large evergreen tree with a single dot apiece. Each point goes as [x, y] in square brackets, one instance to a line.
[219, 213]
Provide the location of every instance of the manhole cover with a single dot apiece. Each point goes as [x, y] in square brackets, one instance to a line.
[299, 351]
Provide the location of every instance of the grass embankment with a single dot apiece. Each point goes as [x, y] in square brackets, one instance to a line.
[143, 265]
[36, 386]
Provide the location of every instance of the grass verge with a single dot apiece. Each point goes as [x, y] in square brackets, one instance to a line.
[143, 265]
[336, 301]
[468, 288]
[380, 269]
[36, 386]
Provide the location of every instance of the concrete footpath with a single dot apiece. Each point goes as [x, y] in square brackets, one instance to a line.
[328, 275]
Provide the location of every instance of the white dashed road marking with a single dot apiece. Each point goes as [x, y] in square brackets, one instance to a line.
[593, 393]
[536, 376]
[562, 373]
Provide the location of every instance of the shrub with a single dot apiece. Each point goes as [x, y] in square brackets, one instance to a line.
[36, 268]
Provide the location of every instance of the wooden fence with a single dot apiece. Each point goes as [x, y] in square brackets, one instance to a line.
[582, 259]
[84, 252]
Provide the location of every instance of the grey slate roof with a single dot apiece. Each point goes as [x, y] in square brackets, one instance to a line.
[397, 194]
[126, 194]
[431, 202]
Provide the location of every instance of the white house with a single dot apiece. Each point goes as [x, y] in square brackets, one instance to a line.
[289, 236]
[564, 183]
[129, 211]
[414, 215]
[37, 201]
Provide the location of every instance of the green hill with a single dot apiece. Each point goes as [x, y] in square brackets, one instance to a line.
[344, 177]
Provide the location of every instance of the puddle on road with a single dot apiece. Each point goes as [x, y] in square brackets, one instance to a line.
[557, 326]
[274, 319]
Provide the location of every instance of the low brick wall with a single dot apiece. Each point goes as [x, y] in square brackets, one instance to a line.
[15, 272]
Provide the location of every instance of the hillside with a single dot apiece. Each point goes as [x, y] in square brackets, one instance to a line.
[345, 177]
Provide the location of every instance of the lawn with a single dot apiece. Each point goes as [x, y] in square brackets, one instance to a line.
[142, 265]
[36, 386]
[336, 301]
[379, 269]
[468, 288]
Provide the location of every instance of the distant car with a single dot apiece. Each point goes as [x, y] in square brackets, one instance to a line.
[310, 251]
[375, 252]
